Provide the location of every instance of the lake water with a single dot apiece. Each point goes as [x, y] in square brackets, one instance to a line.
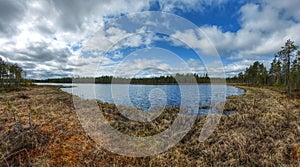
[148, 96]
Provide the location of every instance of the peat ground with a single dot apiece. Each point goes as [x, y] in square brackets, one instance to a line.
[38, 127]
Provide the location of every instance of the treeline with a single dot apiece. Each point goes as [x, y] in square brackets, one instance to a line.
[284, 70]
[11, 76]
[181, 78]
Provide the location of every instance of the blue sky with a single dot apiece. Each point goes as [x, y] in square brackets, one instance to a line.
[56, 38]
[225, 16]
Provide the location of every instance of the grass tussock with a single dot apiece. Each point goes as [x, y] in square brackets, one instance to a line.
[38, 127]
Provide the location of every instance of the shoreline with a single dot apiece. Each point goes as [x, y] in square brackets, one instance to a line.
[222, 109]
[57, 84]
[264, 130]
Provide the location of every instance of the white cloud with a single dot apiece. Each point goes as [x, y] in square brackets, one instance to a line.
[289, 8]
[194, 39]
[104, 40]
[264, 29]
[32, 30]
[132, 67]
[41, 35]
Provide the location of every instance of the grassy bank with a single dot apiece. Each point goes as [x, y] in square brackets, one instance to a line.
[38, 127]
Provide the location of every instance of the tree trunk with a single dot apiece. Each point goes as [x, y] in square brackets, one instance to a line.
[288, 75]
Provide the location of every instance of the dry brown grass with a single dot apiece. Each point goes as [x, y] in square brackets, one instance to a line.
[38, 127]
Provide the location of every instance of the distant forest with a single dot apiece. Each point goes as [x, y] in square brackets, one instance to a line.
[181, 78]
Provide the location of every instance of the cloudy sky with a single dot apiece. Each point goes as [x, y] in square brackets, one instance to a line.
[61, 38]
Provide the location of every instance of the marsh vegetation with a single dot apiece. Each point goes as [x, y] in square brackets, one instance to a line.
[264, 131]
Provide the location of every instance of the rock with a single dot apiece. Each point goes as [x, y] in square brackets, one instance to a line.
[204, 106]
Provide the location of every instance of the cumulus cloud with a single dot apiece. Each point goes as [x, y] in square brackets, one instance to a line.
[289, 9]
[153, 67]
[196, 40]
[11, 13]
[264, 29]
[42, 31]
[49, 38]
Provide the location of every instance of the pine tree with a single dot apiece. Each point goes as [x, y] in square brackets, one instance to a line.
[286, 54]
[295, 74]
[275, 72]
[10, 75]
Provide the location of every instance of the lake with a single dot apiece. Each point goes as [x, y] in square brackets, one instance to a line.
[146, 97]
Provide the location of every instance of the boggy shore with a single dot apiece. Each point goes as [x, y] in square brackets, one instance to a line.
[38, 127]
